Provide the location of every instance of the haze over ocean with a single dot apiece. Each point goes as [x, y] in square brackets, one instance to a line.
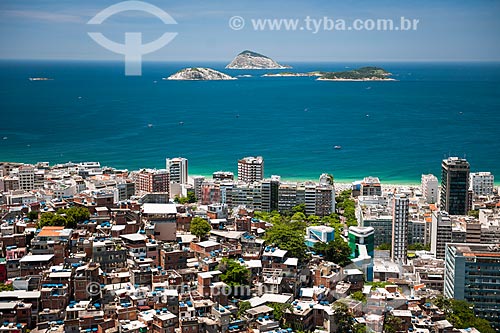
[393, 130]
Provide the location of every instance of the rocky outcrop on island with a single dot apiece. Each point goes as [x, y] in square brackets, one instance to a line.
[199, 73]
[252, 60]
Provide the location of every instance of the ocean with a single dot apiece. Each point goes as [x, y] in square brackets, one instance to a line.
[395, 130]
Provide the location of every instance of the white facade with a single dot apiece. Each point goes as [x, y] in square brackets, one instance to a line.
[251, 169]
[400, 216]
[430, 188]
[178, 168]
[26, 176]
[482, 183]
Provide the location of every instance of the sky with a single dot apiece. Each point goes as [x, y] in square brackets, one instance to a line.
[460, 30]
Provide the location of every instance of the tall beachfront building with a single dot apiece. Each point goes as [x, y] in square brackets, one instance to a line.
[455, 185]
[430, 188]
[441, 233]
[400, 212]
[251, 169]
[482, 183]
[178, 168]
[472, 273]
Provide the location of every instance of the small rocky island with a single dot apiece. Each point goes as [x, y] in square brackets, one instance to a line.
[199, 73]
[369, 73]
[253, 60]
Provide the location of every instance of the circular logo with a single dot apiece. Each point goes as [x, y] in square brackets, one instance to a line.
[236, 22]
[93, 289]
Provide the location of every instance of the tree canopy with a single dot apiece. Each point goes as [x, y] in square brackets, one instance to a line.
[233, 273]
[288, 236]
[461, 314]
[199, 227]
[68, 218]
[337, 251]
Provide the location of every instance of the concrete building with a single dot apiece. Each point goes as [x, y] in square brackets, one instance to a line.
[472, 272]
[441, 233]
[178, 169]
[430, 188]
[482, 183]
[454, 186]
[152, 180]
[222, 175]
[164, 219]
[26, 174]
[400, 216]
[251, 169]
[361, 241]
[371, 186]
[270, 188]
[320, 233]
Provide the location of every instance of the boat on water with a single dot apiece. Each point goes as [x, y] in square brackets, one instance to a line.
[40, 79]
[337, 147]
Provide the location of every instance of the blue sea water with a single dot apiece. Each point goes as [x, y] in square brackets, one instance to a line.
[393, 130]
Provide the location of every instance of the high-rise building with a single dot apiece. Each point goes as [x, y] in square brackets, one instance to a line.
[371, 186]
[251, 169]
[197, 182]
[26, 177]
[472, 272]
[178, 168]
[430, 188]
[400, 214]
[152, 180]
[454, 186]
[482, 183]
[441, 233]
[361, 241]
[270, 189]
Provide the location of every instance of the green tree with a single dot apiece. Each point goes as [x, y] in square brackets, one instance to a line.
[181, 200]
[358, 296]
[242, 307]
[45, 219]
[342, 317]
[337, 251]
[392, 324]
[191, 197]
[288, 236]
[78, 214]
[33, 215]
[461, 314]
[279, 309]
[384, 246]
[233, 273]
[301, 208]
[474, 213]
[199, 227]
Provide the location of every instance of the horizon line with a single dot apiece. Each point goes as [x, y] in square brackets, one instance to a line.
[281, 61]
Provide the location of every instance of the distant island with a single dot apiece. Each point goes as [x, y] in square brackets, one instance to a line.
[361, 74]
[253, 60]
[200, 74]
[369, 73]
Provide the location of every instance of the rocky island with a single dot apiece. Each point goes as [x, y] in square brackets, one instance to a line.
[369, 73]
[253, 60]
[199, 73]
